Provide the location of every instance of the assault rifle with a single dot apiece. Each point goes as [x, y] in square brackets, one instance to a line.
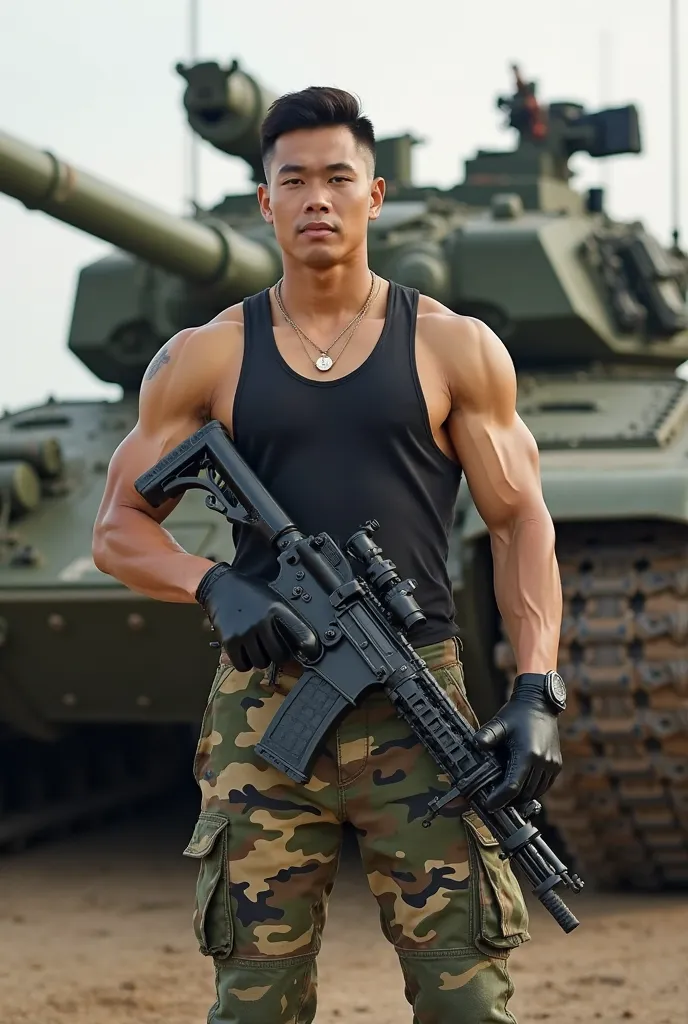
[358, 623]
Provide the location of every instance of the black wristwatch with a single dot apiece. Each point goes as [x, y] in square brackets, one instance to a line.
[549, 685]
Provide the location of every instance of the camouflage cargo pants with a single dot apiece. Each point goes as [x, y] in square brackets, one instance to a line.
[268, 852]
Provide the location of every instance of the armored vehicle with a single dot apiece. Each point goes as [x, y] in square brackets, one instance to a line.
[594, 315]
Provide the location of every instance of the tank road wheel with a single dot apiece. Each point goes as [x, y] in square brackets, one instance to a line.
[620, 804]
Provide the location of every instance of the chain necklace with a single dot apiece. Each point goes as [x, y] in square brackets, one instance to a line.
[325, 362]
[353, 331]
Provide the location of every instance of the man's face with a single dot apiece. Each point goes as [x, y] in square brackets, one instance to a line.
[321, 194]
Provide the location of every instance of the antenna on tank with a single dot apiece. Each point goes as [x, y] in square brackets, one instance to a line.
[604, 98]
[675, 124]
[193, 153]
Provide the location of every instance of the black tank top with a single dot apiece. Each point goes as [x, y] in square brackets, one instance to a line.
[337, 453]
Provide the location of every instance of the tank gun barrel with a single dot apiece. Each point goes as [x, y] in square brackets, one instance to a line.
[210, 255]
[226, 107]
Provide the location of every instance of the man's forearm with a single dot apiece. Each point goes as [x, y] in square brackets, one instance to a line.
[528, 590]
[144, 556]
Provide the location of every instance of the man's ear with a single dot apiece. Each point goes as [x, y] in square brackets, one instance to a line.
[263, 193]
[378, 188]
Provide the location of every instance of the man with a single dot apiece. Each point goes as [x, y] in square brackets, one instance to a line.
[351, 398]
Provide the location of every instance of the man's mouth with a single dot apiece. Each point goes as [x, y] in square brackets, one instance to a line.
[317, 229]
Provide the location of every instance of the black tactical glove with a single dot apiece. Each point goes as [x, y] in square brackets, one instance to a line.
[527, 726]
[255, 627]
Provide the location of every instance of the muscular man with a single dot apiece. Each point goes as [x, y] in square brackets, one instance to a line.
[351, 397]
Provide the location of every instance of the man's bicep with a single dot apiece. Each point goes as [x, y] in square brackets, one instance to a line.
[496, 449]
[138, 452]
[501, 464]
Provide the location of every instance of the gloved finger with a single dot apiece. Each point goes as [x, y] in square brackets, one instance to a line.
[296, 634]
[238, 657]
[545, 783]
[276, 645]
[491, 734]
[257, 653]
[531, 785]
[509, 791]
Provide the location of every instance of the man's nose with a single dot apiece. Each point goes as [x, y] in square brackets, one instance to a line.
[317, 202]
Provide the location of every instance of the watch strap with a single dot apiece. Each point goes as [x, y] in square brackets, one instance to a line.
[530, 686]
[541, 688]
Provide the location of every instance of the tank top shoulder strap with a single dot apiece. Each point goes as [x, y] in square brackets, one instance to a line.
[403, 306]
[399, 332]
[258, 336]
[258, 344]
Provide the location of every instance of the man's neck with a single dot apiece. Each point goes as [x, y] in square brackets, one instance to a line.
[324, 294]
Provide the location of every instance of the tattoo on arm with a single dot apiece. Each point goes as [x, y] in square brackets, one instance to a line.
[158, 361]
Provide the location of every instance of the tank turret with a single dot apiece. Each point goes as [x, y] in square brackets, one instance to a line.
[537, 171]
[548, 136]
[515, 245]
[226, 106]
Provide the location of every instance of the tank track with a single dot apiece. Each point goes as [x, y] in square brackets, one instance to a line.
[620, 804]
[92, 773]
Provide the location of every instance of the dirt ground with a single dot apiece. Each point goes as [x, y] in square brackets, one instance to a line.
[95, 929]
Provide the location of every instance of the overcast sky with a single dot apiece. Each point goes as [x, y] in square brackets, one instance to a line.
[95, 82]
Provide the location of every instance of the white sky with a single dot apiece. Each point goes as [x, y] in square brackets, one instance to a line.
[95, 82]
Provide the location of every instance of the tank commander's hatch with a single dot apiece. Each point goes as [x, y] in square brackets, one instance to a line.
[602, 411]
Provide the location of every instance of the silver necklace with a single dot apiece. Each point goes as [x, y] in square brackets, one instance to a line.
[324, 362]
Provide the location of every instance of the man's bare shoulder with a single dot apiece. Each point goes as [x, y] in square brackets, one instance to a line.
[441, 326]
[471, 356]
[184, 373]
[233, 315]
[201, 347]
[220, 335]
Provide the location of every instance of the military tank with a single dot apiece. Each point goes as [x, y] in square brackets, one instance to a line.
[594, 315]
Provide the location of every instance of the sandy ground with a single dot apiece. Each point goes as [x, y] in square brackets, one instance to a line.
[95, 929]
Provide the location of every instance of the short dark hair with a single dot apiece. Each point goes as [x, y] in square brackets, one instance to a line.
[315, 107]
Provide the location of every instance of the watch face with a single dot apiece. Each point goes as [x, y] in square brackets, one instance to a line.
[557, 687]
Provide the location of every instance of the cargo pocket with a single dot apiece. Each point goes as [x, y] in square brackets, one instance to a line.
[498, 909]
[212, 919]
